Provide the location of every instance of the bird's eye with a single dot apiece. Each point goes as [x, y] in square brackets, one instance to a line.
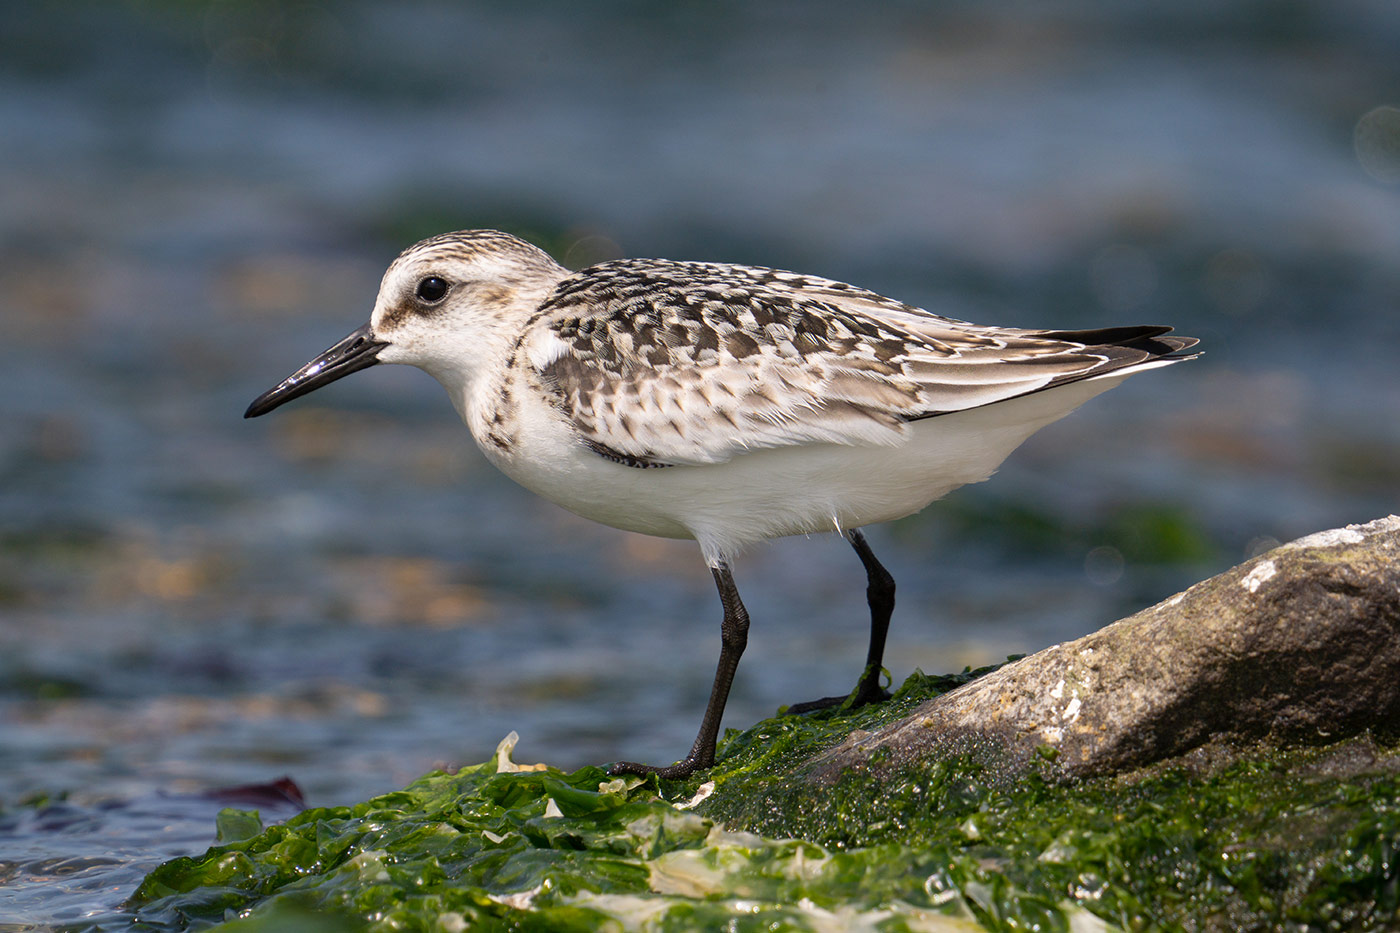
[432, 289]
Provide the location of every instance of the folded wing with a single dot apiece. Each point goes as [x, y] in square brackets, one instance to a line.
[661, 363]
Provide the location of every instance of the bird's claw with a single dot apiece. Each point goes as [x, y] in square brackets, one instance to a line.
[865, 694]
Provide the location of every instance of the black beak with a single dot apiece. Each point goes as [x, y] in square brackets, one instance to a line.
[357, 351]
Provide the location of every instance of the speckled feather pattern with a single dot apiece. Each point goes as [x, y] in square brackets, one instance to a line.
[657, 362]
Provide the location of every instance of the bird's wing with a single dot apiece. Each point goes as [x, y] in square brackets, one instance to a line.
[661, 363]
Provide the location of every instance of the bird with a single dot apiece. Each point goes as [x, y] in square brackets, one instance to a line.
[722, 403]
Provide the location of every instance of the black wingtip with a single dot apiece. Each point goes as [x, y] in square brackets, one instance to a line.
[1108, 336]
[1148, 338]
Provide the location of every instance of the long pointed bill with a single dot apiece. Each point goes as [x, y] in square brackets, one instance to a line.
[357, 351]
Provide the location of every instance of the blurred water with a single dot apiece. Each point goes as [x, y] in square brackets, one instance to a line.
[194, 199]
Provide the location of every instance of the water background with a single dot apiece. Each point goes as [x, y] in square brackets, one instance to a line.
[196, 198]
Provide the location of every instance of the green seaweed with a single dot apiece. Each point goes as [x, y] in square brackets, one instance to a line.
[233, 825]
[1263, 839]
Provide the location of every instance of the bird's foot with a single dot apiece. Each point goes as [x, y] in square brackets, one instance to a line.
[681, 769]
[867, 692]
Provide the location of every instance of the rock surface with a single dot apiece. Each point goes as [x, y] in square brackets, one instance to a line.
[1299, 645]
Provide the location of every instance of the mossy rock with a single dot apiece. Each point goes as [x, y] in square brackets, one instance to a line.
[1265, 825]
[1299, 645]
[1273, 839]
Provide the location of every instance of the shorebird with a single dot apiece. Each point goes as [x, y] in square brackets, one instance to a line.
[723, 403]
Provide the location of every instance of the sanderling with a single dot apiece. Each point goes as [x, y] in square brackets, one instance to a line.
[722, 403]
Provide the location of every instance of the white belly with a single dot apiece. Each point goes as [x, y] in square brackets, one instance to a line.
[781, 491]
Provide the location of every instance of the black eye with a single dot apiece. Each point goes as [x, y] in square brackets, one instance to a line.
[432, 289]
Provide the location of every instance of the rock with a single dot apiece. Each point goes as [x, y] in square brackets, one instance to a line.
[1299, 645]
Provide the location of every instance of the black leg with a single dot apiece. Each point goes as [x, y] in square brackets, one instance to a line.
[879, 593]
[734, 635]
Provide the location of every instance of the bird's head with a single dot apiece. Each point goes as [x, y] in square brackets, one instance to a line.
[449, 305]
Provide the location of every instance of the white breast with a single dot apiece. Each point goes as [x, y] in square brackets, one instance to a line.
[781, 491]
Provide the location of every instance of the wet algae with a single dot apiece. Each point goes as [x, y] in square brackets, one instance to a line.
[1242, 839]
